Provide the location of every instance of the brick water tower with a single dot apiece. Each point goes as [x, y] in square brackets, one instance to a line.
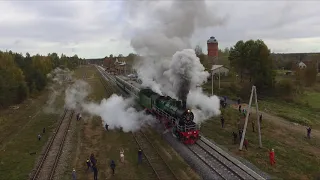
[213, 50]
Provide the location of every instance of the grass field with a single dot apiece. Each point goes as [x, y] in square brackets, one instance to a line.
[93, 138]
[291, 112]
[18, 135]
[305, 110]
[312, 98]
[296, 157]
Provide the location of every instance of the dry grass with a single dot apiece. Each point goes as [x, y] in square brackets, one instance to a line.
[93, 138]
[296, 157]
[18, 135]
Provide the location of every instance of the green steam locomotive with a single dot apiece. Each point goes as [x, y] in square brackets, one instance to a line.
[170, 112]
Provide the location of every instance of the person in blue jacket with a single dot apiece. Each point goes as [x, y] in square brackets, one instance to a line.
[112, 166]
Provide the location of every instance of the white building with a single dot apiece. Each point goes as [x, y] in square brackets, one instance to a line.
[216, 69]
[302, 65]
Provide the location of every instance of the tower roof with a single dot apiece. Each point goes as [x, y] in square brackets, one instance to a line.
[212, 40]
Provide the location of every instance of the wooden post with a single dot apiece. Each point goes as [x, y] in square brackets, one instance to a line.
[211, 83]
[246, 121]
[257, 112]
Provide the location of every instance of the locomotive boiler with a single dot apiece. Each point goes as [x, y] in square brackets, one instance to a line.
[172, 113]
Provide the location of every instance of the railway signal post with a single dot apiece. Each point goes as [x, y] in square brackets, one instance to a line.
[253, 91]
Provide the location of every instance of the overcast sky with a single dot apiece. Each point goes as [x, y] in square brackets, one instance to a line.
[94, 29]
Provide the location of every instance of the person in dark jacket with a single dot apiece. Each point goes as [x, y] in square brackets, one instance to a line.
[222, 122]
[308, 132]
[93, 160]
[253, 125]
[240, 134]
[107, 127]
[95, 172]
[112, 166]
[234, 137]
[139, 156]
[74, 175]
[43, 130]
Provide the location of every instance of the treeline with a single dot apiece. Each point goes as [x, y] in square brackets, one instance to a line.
[252, 63]
[21, 76]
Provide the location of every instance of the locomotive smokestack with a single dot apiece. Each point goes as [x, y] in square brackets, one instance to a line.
[184, 104]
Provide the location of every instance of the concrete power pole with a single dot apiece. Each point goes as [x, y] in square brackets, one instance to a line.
[253, 91]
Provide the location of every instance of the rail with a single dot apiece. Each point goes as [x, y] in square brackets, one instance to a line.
[224, 167]
[220, 165]
[49, 147]
[61, 147]
[233, 161]
[150, 150]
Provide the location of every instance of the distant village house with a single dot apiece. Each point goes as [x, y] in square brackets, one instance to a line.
[216, 69]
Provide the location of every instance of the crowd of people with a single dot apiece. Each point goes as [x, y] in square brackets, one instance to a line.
[91, 164]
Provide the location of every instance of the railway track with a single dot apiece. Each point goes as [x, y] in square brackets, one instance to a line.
[159, 166]
[220, 164]
[49, 161]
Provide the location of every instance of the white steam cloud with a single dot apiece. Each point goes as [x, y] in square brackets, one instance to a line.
[204, 107]
[76, 95]
[118, 112]
[115, 111]
[59, 77]
[168, 35]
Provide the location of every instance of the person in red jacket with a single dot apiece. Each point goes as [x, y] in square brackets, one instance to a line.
[271, 157]
[245, 143]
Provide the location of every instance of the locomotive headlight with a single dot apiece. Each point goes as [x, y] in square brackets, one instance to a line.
[188, 110]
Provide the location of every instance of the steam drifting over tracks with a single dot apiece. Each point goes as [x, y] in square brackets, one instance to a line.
[49, 161]
[159, 166]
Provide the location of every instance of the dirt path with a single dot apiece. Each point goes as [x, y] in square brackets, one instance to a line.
[281, 122]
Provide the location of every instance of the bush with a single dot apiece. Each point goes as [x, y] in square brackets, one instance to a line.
[285, 89]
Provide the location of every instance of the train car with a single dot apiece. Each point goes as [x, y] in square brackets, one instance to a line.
[172, 113]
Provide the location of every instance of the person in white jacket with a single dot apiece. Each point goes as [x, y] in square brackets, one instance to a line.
[122, 155]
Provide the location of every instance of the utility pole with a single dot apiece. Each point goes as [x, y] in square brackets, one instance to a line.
[211, 83]
[257, 113]
[253, 90]
[219, 77]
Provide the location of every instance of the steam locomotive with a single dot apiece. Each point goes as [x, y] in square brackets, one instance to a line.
[172, 113]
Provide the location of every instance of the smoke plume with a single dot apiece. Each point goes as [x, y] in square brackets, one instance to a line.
[76, 95]
[59, 77]
[203, 106]
[118, 112]
[115, 111]
[169, 66]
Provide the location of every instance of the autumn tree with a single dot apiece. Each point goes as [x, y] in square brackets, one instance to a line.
[13, 89]
[23, 75]
[252, 59]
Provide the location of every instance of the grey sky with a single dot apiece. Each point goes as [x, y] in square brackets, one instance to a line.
[99, 28]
